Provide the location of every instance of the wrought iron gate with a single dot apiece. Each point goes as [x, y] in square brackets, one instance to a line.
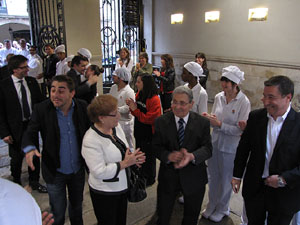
[121, 26]
[47, 23]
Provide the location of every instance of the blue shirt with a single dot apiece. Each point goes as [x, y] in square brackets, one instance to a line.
[70, 161]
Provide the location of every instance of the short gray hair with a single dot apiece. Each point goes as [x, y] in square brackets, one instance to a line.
[184, 90]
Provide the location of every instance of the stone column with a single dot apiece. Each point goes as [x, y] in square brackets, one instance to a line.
[82, 24]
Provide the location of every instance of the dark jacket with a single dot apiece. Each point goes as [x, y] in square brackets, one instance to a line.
[44, 119]
[168, 80]
[197, 140]
[82, 89]
[11, 117]
[285, 160]
[50, 66]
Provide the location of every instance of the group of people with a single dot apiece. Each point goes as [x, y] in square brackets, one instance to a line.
[81, 131]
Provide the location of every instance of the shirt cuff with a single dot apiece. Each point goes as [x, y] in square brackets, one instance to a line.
[29, 148]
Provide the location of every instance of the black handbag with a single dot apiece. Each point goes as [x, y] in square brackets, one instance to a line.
[137, 185]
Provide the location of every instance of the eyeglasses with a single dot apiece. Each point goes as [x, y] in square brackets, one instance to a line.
[179, 103]
[23, 67]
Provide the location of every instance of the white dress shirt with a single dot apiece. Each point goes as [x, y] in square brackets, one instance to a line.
[62, 67]
[35, 67]
[273, 130]
[185, 119]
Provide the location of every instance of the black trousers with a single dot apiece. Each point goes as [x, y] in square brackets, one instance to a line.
[166, 99]
[167, 192]
[17, 155]
[109, 209]
[265, 205]
[148, 169]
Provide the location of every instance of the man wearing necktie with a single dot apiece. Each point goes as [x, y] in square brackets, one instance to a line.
[18, 94]
[182, 143]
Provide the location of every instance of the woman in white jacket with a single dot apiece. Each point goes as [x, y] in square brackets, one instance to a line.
[107, 156]
[230, 110]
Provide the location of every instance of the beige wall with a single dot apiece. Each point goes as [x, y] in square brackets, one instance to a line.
[276, 39]
[82, 22]
[260, 49]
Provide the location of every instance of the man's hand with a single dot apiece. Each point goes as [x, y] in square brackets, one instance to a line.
[8, 139]
[187, 158]
[236, 184]
[29, 157]
[47, 218]
[175, 156]
[272, 181]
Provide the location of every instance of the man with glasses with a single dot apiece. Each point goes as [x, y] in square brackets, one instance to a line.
[18, 94]
[182, 143]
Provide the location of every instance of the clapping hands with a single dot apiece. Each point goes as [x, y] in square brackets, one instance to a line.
[181, 158]
[212, 119]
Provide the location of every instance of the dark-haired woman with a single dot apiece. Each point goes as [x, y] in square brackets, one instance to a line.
[201, 59]
[145, 110]
[231, 108]
[166, 77]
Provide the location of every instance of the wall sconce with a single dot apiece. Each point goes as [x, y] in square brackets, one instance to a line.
[258, 14]
[177, 18]
[212, 16]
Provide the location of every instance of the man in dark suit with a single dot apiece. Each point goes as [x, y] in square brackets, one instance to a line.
[62, 121]
[77, 71]
[182, 143]
[18, 94]
[269, 151]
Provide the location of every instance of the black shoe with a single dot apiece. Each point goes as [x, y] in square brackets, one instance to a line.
[37, 186]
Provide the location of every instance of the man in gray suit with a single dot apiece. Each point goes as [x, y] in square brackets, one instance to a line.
[182, 143]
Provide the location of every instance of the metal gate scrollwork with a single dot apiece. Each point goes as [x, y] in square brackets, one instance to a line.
[47, 23]
[120, 27]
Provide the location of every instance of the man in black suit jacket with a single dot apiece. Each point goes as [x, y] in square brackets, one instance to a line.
[78, 68]
[13, 122]
[62, 121]
[269, 151]
[182, 166]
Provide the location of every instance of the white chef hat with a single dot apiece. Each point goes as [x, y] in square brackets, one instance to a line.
[195, 69]
[69, 58]
[233, 73]
[122, 73]
[60, 48]
[85, 52]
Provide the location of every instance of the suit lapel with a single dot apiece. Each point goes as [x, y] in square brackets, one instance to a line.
[11, 89]
[262, 133]
[286, 129]
[188, 129]
[173, 130]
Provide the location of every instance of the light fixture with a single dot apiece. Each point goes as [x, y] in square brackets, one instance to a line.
[258, 14]
[212, 16]
[177, 18]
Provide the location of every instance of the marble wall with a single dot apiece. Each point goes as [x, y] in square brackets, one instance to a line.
[255, 75]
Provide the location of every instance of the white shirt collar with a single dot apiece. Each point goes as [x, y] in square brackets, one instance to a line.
[186, 118]
[283, 117]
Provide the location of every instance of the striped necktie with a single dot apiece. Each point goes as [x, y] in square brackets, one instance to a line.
[181, 131]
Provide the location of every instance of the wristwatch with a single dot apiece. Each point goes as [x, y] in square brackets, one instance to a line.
[281, 182]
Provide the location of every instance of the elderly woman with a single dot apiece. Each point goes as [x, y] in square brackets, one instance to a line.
[107, 156]
[143, 66]
[167, 78]
[231, 106]
[145, 110]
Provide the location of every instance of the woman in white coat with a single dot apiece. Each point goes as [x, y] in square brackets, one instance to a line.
[230, 107]
[107, 156]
